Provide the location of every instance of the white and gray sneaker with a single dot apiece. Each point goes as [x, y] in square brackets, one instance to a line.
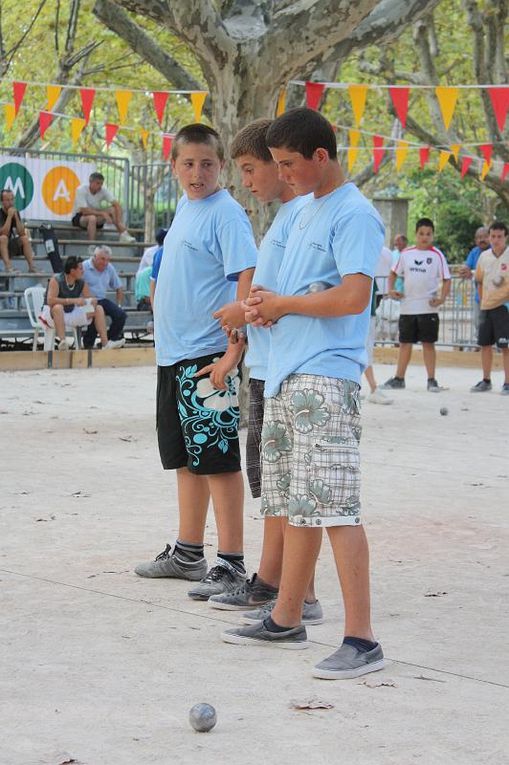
[348, 662]
[222, 577]
[168, 564]
[294, 638]
[312, 613]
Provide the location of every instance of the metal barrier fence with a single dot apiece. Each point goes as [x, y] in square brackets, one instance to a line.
[459, 316]
[153, 197]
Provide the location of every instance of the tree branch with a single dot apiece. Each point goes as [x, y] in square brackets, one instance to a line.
[9, 55]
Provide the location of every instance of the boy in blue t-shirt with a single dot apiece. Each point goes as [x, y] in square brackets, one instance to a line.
[208, 261]
[259, 174]
[311, 429]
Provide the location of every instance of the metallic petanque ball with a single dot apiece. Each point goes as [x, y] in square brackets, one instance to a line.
[202, 717]
[444, 411]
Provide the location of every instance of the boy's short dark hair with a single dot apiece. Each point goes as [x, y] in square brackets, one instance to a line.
[160, 234]
[71, 262]
[499, 225]
[252, 140]
[198, 133]
[304, 131]
[10, 191]
[424, 222]
[96, 177]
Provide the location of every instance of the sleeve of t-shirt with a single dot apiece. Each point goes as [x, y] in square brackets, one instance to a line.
[115, 283]
[470, 261]
[156, 264]
[399, 267]
[107, 195]
[237, 246]
[479, 270]
[357, 243]
[446, 274]
[80, 200]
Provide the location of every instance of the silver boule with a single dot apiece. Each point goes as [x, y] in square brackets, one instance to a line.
[444, 411]
[202, 717]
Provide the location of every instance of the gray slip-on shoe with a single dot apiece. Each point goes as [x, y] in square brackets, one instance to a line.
[348, 662]
[312, 613]
[257, 634]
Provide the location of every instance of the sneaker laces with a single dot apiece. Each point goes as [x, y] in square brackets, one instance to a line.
[216, 574]
[164, 554]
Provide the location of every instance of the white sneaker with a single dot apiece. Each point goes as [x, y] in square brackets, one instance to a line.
[115, 344]
[63, 345]
[125, 236]
[377, 397]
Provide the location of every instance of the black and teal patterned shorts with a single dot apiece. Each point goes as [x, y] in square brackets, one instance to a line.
[197, 425]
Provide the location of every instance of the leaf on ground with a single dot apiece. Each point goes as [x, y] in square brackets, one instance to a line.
[434, 594]
[379, 684]
[432, 679]
[90, 432]
[311, 704]
[79, 494]
[41, 520]
[127, 438]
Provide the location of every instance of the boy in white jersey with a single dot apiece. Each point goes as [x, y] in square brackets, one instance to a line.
[259, 174]
[208, 262]
[492, 277]
[311, 430]
[424, 270]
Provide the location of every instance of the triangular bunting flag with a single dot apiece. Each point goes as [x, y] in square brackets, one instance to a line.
[505, 171]
[110, 131]
[10, 115]
[160, 98]
[314, 93]
[500, 102]
[465, 164]
[455, 150]
[424, 153]
[485, 170]
[87, 100]
[18, 93]
[443, 159]
[123, 97]
[399, 98]
[400, 152]
[45, 120]
[144, 134]
[52, 95]
[358, 94]
[197, 100]
[281, 103]
[353, 151]
[486, 150]
[378, 152]
[77, 125]
[167, 142]
[447, 98]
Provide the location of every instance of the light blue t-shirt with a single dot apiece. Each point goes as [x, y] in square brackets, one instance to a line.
[333, 236]
[99, 282]
[270, 254]
[156, 263]
[210, 242]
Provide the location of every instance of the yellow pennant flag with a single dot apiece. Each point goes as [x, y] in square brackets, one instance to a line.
[197, 100]
[443, 159]
[353, 151]
[144, 134]
[485, 169]
[123, 98]
[455, 150]
[400, 152]
[447, 98]
[281, 102]
[77, 125]
[52, 94]
[10, 115]
[358, 95]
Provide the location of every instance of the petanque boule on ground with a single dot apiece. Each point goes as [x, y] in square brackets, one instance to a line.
[202, 717]
[444, 411]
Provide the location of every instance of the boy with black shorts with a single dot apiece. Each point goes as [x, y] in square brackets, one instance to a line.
[311, 430]
[260, 175]
[423, 268]
[492, 277]
[208, 262]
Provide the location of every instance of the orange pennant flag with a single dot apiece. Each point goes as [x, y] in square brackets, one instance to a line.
[52, 94]
[77, 125]
[123, 98]
[443, 159]
[447, 98]
[144, 134]
[358, 95]
[485, 169]
[197, 100]
[10, 115]
[455, 150]
[281, 103]
[353, 151]
[400, 152]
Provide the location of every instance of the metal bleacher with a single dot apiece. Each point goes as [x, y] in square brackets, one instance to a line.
[15, 326]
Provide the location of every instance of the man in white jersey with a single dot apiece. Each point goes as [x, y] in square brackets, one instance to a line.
[425, 272]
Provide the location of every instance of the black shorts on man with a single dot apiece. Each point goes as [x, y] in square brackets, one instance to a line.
[418, 328]
[494, 327]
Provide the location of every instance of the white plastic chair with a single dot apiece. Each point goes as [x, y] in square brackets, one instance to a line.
[34, 301]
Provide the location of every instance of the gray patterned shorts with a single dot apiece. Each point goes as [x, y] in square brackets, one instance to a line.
[310, 452]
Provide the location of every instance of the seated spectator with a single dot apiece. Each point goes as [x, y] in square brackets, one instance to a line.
[101, 276]
[148, 256]
[156, 265]
[68, 303]
[142, 289]
[14, 240]
[94, 206]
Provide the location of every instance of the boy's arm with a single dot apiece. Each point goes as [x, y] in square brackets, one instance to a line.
[219, 370]
[231, 315]
[446, 288]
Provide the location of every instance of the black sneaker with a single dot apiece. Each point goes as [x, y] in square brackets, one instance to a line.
[222, 578]
[481, 387]
[393, 383]
[252, 593]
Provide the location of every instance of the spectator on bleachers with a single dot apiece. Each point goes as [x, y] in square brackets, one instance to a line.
[65, 304]
[142, 289]
[94, 206]
[101, 276]
[14, 240]
[148, 256]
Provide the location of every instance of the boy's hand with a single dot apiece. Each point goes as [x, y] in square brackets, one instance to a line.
[231, 315]
[262, 307]
[219, 370]
[435, 302]
[396, 294]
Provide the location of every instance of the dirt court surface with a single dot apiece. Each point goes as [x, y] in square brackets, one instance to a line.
[100, 667]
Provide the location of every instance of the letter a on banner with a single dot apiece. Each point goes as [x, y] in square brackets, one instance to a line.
[358, 95]
[447, 98]
[197, 100]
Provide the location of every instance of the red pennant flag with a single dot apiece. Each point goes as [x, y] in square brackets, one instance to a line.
[314, 93]
[500, 102]
[465, 164]
[87, 100]
[399, 97]
[505, 171]
[424, 152]
[110, 131]
[160, 99]
[167, 142]
[45, 120]
[486, 150]
[378, 152]
[18, 93]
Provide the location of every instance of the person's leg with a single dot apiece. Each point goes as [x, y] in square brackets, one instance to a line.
[89, 222]
[429, 357]
[117, 217]
[227, 493]
[99, 321]
[89, 337]
[57, 313]
[486, 361]
[370, 377]
[26, 247]
[301, 548]
[4, 252]
[193, 499]
[118, 318]
[404, 356]
[271, 558]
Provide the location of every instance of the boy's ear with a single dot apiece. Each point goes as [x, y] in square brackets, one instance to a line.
[322, 155]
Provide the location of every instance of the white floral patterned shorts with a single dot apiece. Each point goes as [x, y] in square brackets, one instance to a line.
[310, 452]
